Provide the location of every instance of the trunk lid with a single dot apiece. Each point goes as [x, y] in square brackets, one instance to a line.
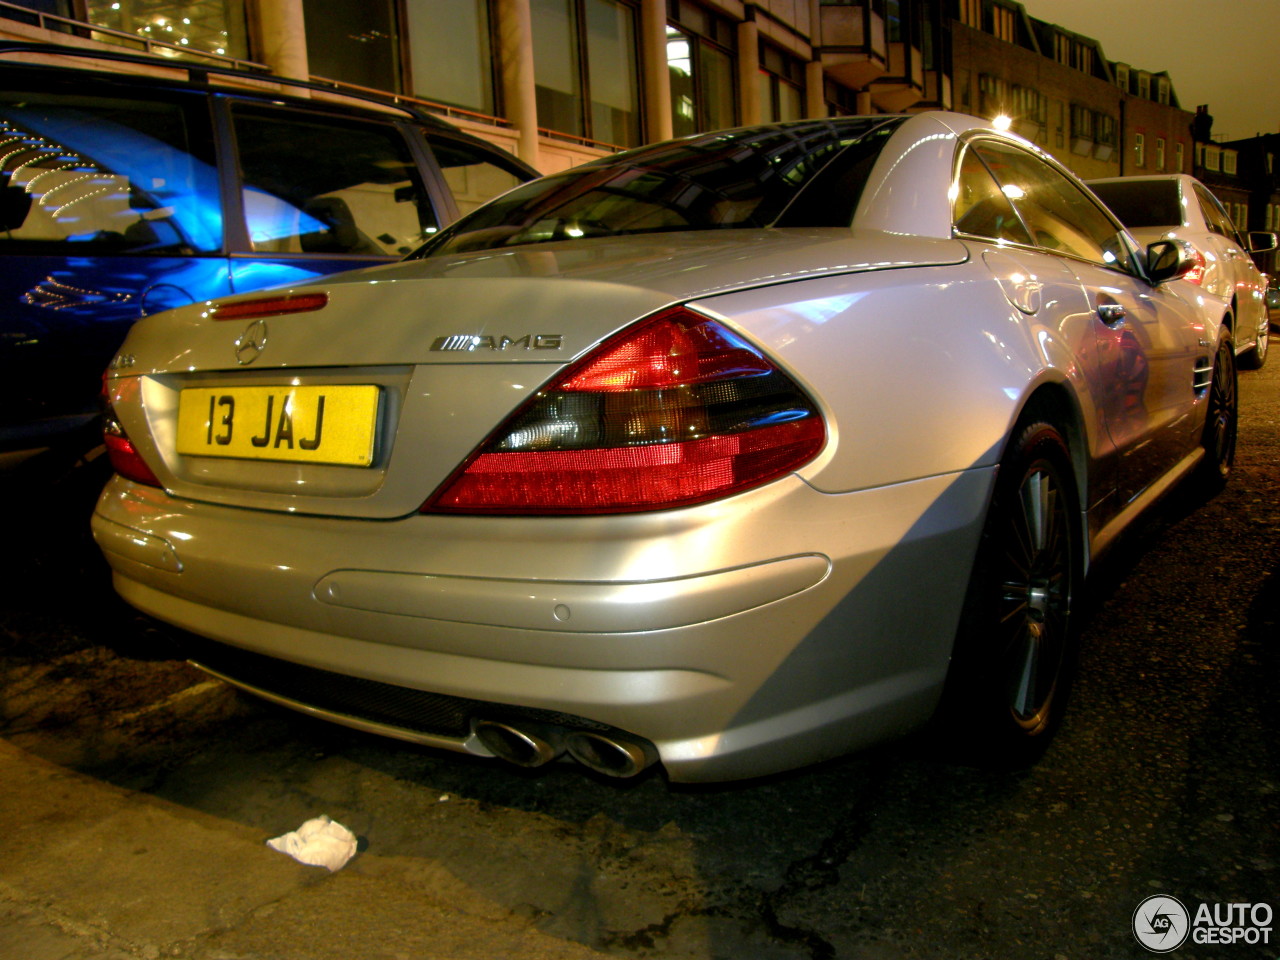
[451, 346]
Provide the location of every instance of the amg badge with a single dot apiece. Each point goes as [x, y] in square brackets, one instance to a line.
[470, 343]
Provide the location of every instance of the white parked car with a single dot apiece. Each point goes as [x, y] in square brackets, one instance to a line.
[1179, 206]
[729, 454]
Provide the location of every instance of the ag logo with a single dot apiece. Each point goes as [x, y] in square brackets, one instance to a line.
[1161, 924]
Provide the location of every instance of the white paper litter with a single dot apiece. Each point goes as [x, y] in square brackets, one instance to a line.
[318, 843]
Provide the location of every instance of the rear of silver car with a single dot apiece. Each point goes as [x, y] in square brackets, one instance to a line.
[725, 638]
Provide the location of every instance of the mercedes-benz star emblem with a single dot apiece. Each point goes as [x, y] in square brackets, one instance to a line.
[251, 343]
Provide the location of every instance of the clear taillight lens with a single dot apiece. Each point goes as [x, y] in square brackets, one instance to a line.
[675, 411]
[125, 459]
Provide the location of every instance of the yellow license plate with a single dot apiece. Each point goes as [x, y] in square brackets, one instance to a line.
[312, 424]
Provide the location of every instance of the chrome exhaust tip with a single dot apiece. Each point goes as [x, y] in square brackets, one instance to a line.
[528, 745]
[611, 755]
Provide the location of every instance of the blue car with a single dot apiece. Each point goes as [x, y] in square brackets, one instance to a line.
[124, 194]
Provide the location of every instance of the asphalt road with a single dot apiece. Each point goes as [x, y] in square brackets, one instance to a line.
[135, 794]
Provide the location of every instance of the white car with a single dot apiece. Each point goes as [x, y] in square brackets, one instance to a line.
[1178, 206]
[727, 454]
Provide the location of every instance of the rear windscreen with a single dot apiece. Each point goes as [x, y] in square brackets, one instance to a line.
[804, 174]
[1143, 203]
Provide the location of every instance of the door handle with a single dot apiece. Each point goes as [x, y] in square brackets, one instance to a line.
[1110, 313]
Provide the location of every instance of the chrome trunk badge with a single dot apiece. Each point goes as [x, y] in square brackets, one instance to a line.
[251, 343]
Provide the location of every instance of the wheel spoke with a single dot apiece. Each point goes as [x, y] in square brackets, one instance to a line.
[1035, 595]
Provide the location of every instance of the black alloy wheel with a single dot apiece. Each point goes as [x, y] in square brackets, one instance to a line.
[1221, 417]
[1016, 651]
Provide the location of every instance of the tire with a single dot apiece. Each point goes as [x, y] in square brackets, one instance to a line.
[1256, 357]
[1220, 423]
[1015, 653]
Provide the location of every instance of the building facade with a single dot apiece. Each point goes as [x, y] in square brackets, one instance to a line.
[558, 82]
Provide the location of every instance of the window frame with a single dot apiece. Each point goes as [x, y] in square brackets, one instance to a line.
[1129, 266]
[239, 243]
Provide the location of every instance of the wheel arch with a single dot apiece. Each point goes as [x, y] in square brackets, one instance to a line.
[1055, 403]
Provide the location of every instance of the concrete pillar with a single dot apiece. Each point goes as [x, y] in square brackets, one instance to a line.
[749, 73]
[653, 69]
[815, 104]
[283, 37]
[515, 64]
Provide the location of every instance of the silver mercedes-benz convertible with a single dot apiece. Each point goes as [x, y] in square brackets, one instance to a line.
[729, 454]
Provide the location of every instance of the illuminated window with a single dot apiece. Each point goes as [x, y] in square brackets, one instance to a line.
[208, 26]
[701, 64]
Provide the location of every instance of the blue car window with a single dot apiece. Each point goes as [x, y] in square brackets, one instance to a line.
[321, 185]
[101, 175]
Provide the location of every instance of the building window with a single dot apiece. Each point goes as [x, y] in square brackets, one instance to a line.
[1229, 161]
[1212, 157]
[1104, 126]
[1082, 129]
[354, 43]
[451, 53]
[1062, 48]
[993, 95]
[1144, 86]
[701, 61]
[584, 65]
[1003, 23]
[840, 101]
[1160, 153]
[971, 13]
[781, 85]
[1162, 90]
[209, 26]
[1084, 58]
[1122, 76]
[1179, 157]
[1139, 150]
[963, 97]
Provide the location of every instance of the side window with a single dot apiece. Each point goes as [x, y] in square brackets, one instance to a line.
[472, 174]
[1214, 215]
[1061, 216]
[92, 175]
[980, 208]
[323, 185]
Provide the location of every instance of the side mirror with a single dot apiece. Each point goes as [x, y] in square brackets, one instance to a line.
[1260, 241]
[1169, 260]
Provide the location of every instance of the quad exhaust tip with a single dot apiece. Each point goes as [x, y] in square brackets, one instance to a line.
[528, 744]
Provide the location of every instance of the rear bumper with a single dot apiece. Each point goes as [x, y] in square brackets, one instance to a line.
[752, 635]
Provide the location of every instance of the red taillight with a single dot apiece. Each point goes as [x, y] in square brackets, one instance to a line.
[1196, 273]
[676, 411]
[125, 459]
[269, 306]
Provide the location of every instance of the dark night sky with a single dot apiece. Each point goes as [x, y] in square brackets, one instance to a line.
[1224, 53]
